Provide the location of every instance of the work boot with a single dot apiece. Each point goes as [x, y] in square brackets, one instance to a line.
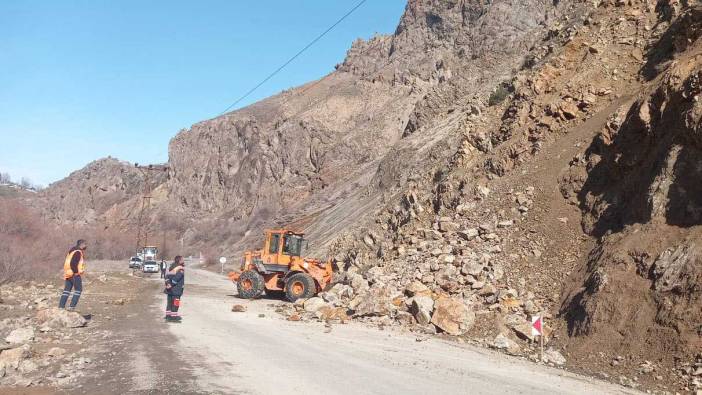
[178, 318]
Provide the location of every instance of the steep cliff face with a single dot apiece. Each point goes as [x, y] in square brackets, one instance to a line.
[330, 148]
[648, 169]
[321, 156]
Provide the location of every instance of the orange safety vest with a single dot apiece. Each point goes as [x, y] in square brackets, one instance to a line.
[67, 272]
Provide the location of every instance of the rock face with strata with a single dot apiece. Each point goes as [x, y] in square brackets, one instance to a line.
[320, 156]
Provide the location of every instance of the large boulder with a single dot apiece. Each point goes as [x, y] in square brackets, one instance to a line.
[472, 268]
[554, 357]
[20, 335]
[523, 330]
[376, 302]
[357, 282]
[10, 359]
[28, 366]
[312, 305]
[416, 288]
[421, 308]
[337, 294]
[452, 316]
[502, 342]
[59, 318]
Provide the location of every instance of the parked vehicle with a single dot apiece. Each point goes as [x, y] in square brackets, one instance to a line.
[135, 262]
[148, 253]
[150, 267]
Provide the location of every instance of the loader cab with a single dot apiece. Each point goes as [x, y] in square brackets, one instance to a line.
[281, 246]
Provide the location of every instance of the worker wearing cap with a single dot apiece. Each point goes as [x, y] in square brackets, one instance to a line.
[73, 268]
[175, 281]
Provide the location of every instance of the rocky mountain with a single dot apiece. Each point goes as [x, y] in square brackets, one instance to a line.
[96, 193]
[487, 162]
[322, 154]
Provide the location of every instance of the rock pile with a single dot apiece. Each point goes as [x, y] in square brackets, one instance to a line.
[439, 279]
[324, 308]
[691, 373]
[29, 329]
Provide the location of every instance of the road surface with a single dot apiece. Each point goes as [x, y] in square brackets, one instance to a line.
[244, 353]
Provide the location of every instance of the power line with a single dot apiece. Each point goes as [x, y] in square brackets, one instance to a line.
[294, 57]
[389, 62]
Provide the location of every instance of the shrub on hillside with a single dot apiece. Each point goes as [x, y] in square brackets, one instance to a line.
[500, 94]
[28, 246]
[34, 248]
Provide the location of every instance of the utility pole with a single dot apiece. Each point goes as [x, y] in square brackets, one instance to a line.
[146, 172]
[163, 246]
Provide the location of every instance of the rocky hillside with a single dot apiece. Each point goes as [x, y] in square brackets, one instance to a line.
[575, 198]
[323, 155]
[487, 162]
[107, 192]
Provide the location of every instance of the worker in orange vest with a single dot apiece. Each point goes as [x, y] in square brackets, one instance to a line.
[73, 268]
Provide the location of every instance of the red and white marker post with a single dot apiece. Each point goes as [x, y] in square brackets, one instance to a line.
[537, 329]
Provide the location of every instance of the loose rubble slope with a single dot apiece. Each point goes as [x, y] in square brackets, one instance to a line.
[575, 199]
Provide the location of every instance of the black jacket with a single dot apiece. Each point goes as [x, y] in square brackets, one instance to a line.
[177, 282]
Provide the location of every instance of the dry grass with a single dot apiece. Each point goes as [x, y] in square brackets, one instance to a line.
[32, 248]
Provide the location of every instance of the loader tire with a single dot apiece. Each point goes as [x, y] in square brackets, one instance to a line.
[300, 286]
[250, 285]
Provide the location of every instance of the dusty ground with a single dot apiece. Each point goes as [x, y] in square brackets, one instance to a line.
[130, 349]
[234, 352]
[125, 348]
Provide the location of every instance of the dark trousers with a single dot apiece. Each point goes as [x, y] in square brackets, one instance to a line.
[76, 284]
[163, 273]
[172, 305]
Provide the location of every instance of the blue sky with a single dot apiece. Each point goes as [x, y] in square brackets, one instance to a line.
[81, 80]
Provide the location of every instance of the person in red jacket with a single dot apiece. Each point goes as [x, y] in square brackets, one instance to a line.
[73, 268]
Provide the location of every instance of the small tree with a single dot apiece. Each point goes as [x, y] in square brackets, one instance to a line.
[5, 178]
[498, 95]
[26, 183]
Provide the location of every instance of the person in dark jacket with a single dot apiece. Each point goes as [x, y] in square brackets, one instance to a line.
[163, 267]
[175, 281]
[73, 268]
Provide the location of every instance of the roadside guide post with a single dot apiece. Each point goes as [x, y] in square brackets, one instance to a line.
[537, 329]
[222, 260]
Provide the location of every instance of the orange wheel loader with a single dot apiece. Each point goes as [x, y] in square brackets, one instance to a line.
[279, 266]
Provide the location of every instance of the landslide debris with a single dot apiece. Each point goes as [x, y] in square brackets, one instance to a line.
[576, 199]
[486, 163]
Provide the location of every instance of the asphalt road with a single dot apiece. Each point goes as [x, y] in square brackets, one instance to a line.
[244, 353]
